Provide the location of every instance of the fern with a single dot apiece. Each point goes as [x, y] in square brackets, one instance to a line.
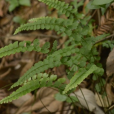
[62, 7]
[23, 47]
[41, 80]
[79, 50]
[59, 25]
[50, 62]
[80, 76]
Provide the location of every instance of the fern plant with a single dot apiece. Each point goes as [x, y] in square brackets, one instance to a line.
[79, 53]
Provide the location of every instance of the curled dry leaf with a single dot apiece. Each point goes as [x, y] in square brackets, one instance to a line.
[106, 22]
[44, 98]
[21, 100]
[110, 64]
[103, 101]
[3, 8]
[87, 100]
[109, 91]
[3, 94]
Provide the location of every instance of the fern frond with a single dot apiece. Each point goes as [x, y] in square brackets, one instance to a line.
[23, 47]
[42, 81]
[20, 47]
[58, 24]
[62, 7]
[50, 62]
[79, 77]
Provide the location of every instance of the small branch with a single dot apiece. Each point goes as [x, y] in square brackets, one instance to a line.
[107, 38]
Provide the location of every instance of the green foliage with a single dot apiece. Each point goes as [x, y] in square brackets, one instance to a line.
[50, 62]
[18, 19]
[24, 2]
[16, 3]
[60, 97]
[38, 81]
[80, 76]
[59, 25]
[101, 2]
[23, 46]
[79, 53]
[62, 7]
[96, 4]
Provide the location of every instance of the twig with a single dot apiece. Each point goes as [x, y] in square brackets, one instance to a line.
[107, 38]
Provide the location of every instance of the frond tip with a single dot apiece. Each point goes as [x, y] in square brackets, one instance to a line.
[62, 7]
[17, 47]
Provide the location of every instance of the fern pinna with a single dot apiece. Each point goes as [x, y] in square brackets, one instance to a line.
[79, 53]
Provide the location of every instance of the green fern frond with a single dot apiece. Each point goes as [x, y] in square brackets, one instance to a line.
[58, 24]
[41, 80]
[37, 68]
[50, 62]
[23, 47]
[79, 77]
[19, 47]
[62, 7]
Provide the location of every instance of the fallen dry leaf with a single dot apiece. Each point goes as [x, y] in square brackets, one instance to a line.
[21, 100]
[44, 98]
[110, 64]
[109, 91]
[87, 100]
[3, 94]
[2, 4]
[103, 101]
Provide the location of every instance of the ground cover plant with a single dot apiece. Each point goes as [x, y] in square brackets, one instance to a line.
[79, 54]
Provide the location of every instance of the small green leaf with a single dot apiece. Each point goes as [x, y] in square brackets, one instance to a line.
[101, 2]
[24, 2]
[95, 77]
[60, 97]
[103, 81]
[72, 99]
[13, 4]
[90, 5]
[18, 19]
[98, 87]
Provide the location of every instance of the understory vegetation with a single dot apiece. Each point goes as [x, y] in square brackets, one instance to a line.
[79, 54]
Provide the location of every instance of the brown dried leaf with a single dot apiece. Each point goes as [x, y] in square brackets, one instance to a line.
[44, 98]
[87, 100]
[3, 94]
[103, 101]
[2, 4]
[110, 93]
[6, 20]
[110, 64]
[106, 22]
[21, 100]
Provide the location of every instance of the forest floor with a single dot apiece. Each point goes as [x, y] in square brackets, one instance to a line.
[14, 66]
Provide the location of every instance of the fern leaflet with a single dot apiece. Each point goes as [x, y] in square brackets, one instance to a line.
[79, 77]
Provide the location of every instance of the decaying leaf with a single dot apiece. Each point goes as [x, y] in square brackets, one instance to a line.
[87, 100]
[103, 101]
[44, 98]
[110, 64]
[109, 91]
[21, 100]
